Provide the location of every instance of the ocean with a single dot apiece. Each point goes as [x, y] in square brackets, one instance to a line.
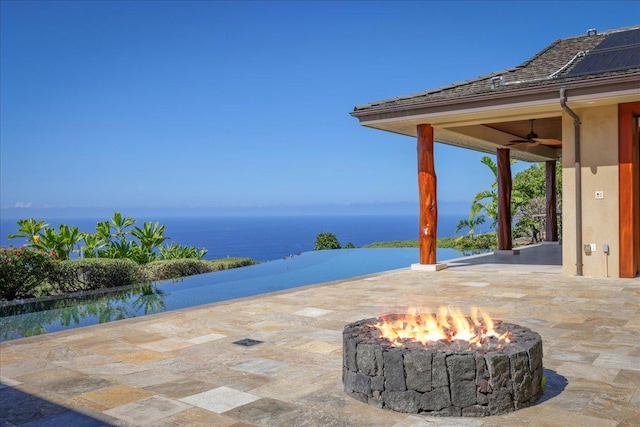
[266, 238]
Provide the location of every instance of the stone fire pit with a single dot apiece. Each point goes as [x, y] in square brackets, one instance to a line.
[442, 378]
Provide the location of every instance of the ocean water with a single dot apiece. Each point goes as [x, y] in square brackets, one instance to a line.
[270, 237]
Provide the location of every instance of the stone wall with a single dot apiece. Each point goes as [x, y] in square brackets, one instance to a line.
[437, 382]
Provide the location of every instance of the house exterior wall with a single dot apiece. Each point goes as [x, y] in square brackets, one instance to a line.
[599, 169]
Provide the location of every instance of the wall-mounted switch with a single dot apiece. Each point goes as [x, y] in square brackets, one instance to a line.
[599, 194]
[593, 247]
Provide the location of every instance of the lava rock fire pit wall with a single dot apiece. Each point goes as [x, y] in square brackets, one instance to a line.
[418, 379]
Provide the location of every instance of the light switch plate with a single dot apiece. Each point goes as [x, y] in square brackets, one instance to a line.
[593, 247]
[599, 194]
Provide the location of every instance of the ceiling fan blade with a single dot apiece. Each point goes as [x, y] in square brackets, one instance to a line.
[524, 142]
[549, 141]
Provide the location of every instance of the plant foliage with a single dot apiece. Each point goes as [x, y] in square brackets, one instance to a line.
[528, 200]
[90, 274]
[116, 238]
[22, 270]
[326, 241]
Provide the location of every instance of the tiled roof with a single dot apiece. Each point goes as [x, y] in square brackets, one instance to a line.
[556, 60]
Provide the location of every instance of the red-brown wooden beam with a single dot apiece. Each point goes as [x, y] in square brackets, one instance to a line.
[629, 189]
[551, 234]
[504, 200]
[427, 191]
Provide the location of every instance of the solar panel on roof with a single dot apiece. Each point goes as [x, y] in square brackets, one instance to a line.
[618, 51]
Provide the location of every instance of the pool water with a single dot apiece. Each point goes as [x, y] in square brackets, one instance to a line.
[34, 318]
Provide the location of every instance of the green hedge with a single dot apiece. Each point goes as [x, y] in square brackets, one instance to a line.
[394, 244]
[95, 273]
[23, 270]
[465, 243]
[174, 268]
[28, 273]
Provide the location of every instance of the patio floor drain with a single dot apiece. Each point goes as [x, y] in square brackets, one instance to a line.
[247, 342]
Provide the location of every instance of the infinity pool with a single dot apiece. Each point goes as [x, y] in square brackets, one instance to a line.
[23, 320]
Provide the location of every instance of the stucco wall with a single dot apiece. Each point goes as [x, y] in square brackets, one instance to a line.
[599, 161]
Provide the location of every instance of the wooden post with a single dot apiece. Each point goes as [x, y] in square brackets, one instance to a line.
[551, 231]
[504, 200]
[427, 191]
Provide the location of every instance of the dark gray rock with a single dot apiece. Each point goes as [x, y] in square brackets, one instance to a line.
[349, 349]
[350, 382]
[482, 398]
[461, 367]
[451, 411]
[402, 401]
[499, 372]
[439, 376]
[463, 393]
[394, 370]
[377, 383]
[376, 402]
[535, 355]
[365, 359]
[363, 384]
[481, 368]
[475, 411]
[361, 397]
[501, 401]
[417, 366]
[435, 400]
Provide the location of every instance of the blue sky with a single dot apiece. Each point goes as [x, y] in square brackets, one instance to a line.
[211, 106]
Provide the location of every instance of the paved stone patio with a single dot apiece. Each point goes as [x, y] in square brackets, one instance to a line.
[181, 368]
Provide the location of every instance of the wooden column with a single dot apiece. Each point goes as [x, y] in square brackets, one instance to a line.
[551, 231]
[504, 200]
[427, 191]
[629, 189]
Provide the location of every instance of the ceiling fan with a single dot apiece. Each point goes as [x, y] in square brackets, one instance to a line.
[533, 140]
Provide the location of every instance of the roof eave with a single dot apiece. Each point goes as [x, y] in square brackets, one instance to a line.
[583, 87]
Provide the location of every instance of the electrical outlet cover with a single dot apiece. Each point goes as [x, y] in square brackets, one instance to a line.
[593, 247]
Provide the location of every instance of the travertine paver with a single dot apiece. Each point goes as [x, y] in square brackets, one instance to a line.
[221, 399]
[147, 411]
[163, 370]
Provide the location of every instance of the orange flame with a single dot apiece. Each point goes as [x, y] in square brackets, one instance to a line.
[449, 325]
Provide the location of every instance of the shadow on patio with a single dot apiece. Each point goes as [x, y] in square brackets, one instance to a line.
[544, 258]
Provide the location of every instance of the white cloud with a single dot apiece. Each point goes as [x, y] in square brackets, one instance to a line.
[23, 204]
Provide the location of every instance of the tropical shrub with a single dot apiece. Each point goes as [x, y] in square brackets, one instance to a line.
[94, 273]
[349, 246]
[174, 268]
[326, 241]
[231, 262]
[115, 238]
[527, 200]
[467, 243]
[394, 244]
[175, 251]
[23, 271]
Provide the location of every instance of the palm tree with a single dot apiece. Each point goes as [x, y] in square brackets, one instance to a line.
[471, 224]
[120, 224]
[62, 242]
[29, 228]
[487, 200]
[150, 235]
